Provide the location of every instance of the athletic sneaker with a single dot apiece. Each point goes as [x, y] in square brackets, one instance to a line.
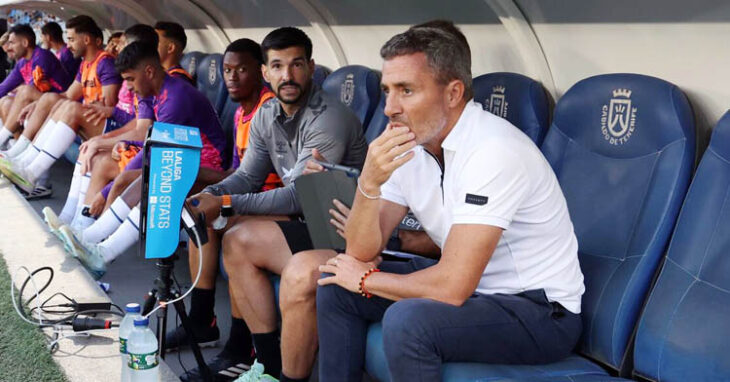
[53, 222]
[207, 337]
[225, 367]
[39, 192]
[20, 177]
[5, 162]
[89, 255]
[256, 374]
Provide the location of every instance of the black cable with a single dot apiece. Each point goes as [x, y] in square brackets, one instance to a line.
[72, 305]
[118, 307]
[177, 319]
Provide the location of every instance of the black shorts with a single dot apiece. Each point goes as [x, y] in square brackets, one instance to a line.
[296, 234]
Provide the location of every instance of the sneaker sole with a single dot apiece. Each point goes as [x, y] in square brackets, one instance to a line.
[19, 180]
[67, 243]
[47, 193]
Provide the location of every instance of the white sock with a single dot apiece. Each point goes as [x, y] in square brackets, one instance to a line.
[19, 146]
[59, 140]
[67, 213]
[81, 222]
[31, 152]
[124, 237]
[44, 180]
[26, 157]
[5, 134]
[44, 133]
[107, 223]
[83, 187]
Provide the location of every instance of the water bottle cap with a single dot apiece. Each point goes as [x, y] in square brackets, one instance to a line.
[133, 307]
[141, 321]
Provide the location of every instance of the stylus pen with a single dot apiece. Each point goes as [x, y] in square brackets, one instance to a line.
[351, 172]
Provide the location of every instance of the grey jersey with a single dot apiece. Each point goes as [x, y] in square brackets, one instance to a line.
[284, 145]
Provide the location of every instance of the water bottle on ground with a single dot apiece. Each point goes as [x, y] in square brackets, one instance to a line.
[125, 328]
[142, 348]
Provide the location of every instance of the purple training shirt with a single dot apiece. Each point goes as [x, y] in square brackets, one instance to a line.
[46, 66]
[180, 103]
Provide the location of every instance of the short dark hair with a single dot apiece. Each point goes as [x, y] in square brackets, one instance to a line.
[245, 45]
[135, 54]
[84, 24]
[53, 31]
[286, 37]
[448, 27]
[114, 35]
[24, 31]
[173, 31]
[447, 55]
[141, 32]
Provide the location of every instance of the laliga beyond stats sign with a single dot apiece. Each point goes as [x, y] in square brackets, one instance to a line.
[172, 161]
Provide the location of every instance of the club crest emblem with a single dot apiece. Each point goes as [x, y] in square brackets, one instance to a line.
[618, 118]
[212, 72]
[347, 90]
[497, 104]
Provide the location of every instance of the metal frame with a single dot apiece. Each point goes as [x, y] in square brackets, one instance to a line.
[526, 41]
[320, 19]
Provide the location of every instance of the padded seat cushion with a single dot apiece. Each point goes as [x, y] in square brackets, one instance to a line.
[376, 365]
[684, 330]
[516, 98]
[356, 86]
[622, 146]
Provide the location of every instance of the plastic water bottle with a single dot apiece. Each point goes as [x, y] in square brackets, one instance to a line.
[142, 348]
[125, 328]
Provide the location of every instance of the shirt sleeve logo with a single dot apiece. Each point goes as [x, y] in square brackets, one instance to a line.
[476, 199]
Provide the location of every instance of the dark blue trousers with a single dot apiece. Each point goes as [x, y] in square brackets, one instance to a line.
[421, 334]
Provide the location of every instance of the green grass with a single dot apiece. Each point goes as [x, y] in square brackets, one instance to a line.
[23, 352]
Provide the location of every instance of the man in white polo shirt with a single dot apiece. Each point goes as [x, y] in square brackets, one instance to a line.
[508, 286]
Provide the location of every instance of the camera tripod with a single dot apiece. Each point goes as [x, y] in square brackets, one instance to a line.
[164, 291]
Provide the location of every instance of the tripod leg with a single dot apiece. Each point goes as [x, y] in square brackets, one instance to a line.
[162, 330]
[204, 370]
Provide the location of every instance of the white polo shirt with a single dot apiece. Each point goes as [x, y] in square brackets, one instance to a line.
[495, 175]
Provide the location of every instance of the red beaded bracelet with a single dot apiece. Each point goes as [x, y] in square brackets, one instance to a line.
[361, 289]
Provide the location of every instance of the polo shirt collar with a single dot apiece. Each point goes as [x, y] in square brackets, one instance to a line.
[454, 139]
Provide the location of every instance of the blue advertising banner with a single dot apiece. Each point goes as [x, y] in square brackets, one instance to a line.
[174, 159]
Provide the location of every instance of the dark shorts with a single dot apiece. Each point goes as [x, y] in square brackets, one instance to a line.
[296, 234]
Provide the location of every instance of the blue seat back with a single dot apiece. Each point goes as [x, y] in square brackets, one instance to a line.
[190, 61]
[320, 74]
[227, 116]
[377, 122]
[622, 146]
[356, 86]
[684, 329]
[516, 98]
[209, 78]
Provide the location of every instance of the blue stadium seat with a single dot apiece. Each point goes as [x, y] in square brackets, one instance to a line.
[377, 122]
[227, 116]
[356, 86]
[684, 330]
[190, 61]
[320, 74]
[209, 77]
[516, 98]
[622, 146]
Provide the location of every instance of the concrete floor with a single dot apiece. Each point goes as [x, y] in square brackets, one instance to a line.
[132, 276]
